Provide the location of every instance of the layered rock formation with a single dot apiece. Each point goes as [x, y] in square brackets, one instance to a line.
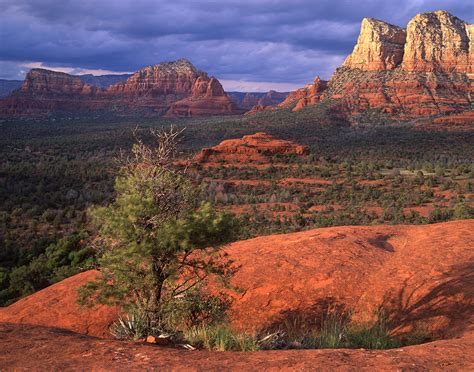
[425, 70]
[207, 98]
[258, 147]
[171, 88]
[379, 47]
[439, 42]
[309, 95]
[45, 91]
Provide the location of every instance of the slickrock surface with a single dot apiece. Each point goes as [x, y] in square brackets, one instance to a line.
[39, 348]
[258, 147]
[56, 306]
[422, 275]
[172, 88]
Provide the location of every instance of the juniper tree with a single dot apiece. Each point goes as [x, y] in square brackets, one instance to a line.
[157, 245]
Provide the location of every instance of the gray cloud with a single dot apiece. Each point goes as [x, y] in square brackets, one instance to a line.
[266, 40]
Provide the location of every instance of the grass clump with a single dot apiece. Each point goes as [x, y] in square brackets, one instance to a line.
[374, 336]
[220, 338]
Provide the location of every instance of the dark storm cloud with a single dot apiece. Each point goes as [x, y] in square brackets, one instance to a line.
[256, 40]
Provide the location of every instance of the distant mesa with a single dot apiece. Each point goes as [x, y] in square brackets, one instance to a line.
[172, 89]
[423, 70]
[258, 147]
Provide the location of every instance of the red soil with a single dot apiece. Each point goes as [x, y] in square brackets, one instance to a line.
[307, 181]
[245, 208]
[319, 208]
[38, 348]
[377, 210]
[372, 182]
[239, 182]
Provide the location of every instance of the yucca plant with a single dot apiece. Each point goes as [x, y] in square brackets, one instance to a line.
[133, 326]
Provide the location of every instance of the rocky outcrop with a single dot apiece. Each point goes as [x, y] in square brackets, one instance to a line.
[438, 42]
[422, 71]
[153, 89]
[425, 70]
[432, 42]
[44, 91]
[309, 95]
[207, 98]
[426, 269]
[379, 47]
[296, 100]
[258, 147]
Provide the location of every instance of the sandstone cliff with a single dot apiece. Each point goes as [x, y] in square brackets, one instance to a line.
[154, 89]
[207, 98]
[438, 42]
[379, 47]
[425, 70]
[45, 91]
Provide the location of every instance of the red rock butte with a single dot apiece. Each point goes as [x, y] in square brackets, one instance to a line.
[423, 70]
[258, 147]
[173, 89]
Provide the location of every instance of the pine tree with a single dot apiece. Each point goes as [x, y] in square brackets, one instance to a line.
[157, 245]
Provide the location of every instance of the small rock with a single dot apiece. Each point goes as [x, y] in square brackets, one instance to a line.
[160, 340]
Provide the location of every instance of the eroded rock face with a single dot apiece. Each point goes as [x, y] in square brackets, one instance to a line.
[379, 47]
[176, 78]
[258, 147]
[423, 71]
[308, 95]
[154, 89]
[438, 42]
[207, 98]
[399, 94]
[41, 81]
[44, 91]
[430, 76]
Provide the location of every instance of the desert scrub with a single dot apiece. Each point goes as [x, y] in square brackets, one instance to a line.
[335, 330]
[220, 338]
[373, 336]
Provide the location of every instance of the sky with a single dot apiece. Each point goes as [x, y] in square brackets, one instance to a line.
[249, 45]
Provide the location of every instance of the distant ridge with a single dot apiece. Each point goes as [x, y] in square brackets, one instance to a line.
[172, 89]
